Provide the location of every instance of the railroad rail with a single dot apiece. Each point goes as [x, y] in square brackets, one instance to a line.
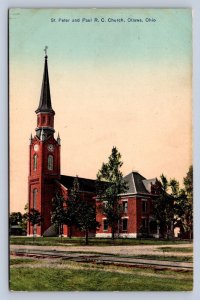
[104, 259]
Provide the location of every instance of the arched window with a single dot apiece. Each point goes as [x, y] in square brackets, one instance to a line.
[50, 162]
[43, 119]
[35, 198]
[35, 162]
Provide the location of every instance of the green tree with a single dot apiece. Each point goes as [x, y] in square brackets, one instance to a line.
[35, 219]
[163, 209]
[80, 212]
[15, 218]
[188, 208]
[183, 200]
[72, 205]
[109, 193]
[58, 213]
[179, 196]
[86, 218]
[173, 206]
[24, 218]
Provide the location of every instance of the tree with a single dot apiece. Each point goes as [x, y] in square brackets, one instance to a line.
[58, 213]
[19, 219]
[80, 212]
[179, 196]
[188, 207]
[86, 218]
[109, 193]
[179, 210]
[163, 208]
[24, 218]
[34, 217]
[188, 182]
[173, 206]
[15, 218]
[72, 204]
[183, 199]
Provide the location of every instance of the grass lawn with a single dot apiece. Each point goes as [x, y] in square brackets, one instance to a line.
[165, 258]
[171, 249]
[60, 275]
[45, 241]
[18, 261]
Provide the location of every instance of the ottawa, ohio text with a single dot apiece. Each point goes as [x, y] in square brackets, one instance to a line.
[103, 20]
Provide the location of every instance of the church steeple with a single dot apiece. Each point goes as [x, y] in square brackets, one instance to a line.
[44, 159]
[45, 112]
[45, 97]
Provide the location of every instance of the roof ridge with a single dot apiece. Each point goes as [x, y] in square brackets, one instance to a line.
[134, 182]
[78, 177]
[128, 174]
[150, 179]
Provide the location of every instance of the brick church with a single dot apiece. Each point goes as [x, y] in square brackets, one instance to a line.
[45, 178]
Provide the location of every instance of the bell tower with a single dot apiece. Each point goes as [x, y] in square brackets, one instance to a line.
[44, 158]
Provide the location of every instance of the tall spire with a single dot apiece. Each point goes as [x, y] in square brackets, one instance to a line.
[45, 97]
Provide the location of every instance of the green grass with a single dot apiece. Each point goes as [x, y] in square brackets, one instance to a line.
[17, 261]
[64, 275]
[165, 258]
[92, 242]
[171, 249]
[97, 279]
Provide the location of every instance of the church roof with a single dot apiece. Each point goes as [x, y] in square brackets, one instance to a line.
[85, 185]
[45, 97]
[136, 182]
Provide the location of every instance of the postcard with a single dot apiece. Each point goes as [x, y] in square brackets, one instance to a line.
[101, 177]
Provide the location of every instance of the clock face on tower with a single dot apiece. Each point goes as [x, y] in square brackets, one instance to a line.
[50, 147]
[36, 147]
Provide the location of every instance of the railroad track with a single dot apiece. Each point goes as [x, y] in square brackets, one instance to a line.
[104, 259]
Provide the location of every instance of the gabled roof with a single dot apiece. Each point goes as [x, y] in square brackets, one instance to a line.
[85, 185]
[138, 184]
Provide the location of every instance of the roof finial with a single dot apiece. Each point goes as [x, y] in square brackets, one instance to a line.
[45, 50]
[31, 137]
[42, 136]
[58, 139]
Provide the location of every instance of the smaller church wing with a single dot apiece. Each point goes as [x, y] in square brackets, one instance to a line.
[86, 185]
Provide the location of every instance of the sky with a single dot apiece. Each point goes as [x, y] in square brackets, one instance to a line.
[123, 84]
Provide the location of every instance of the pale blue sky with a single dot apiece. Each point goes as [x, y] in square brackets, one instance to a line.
[167, 39]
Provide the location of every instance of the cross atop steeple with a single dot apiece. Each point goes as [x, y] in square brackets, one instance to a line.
[45, 50]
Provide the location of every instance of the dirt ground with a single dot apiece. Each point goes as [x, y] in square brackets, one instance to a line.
[121, 250]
